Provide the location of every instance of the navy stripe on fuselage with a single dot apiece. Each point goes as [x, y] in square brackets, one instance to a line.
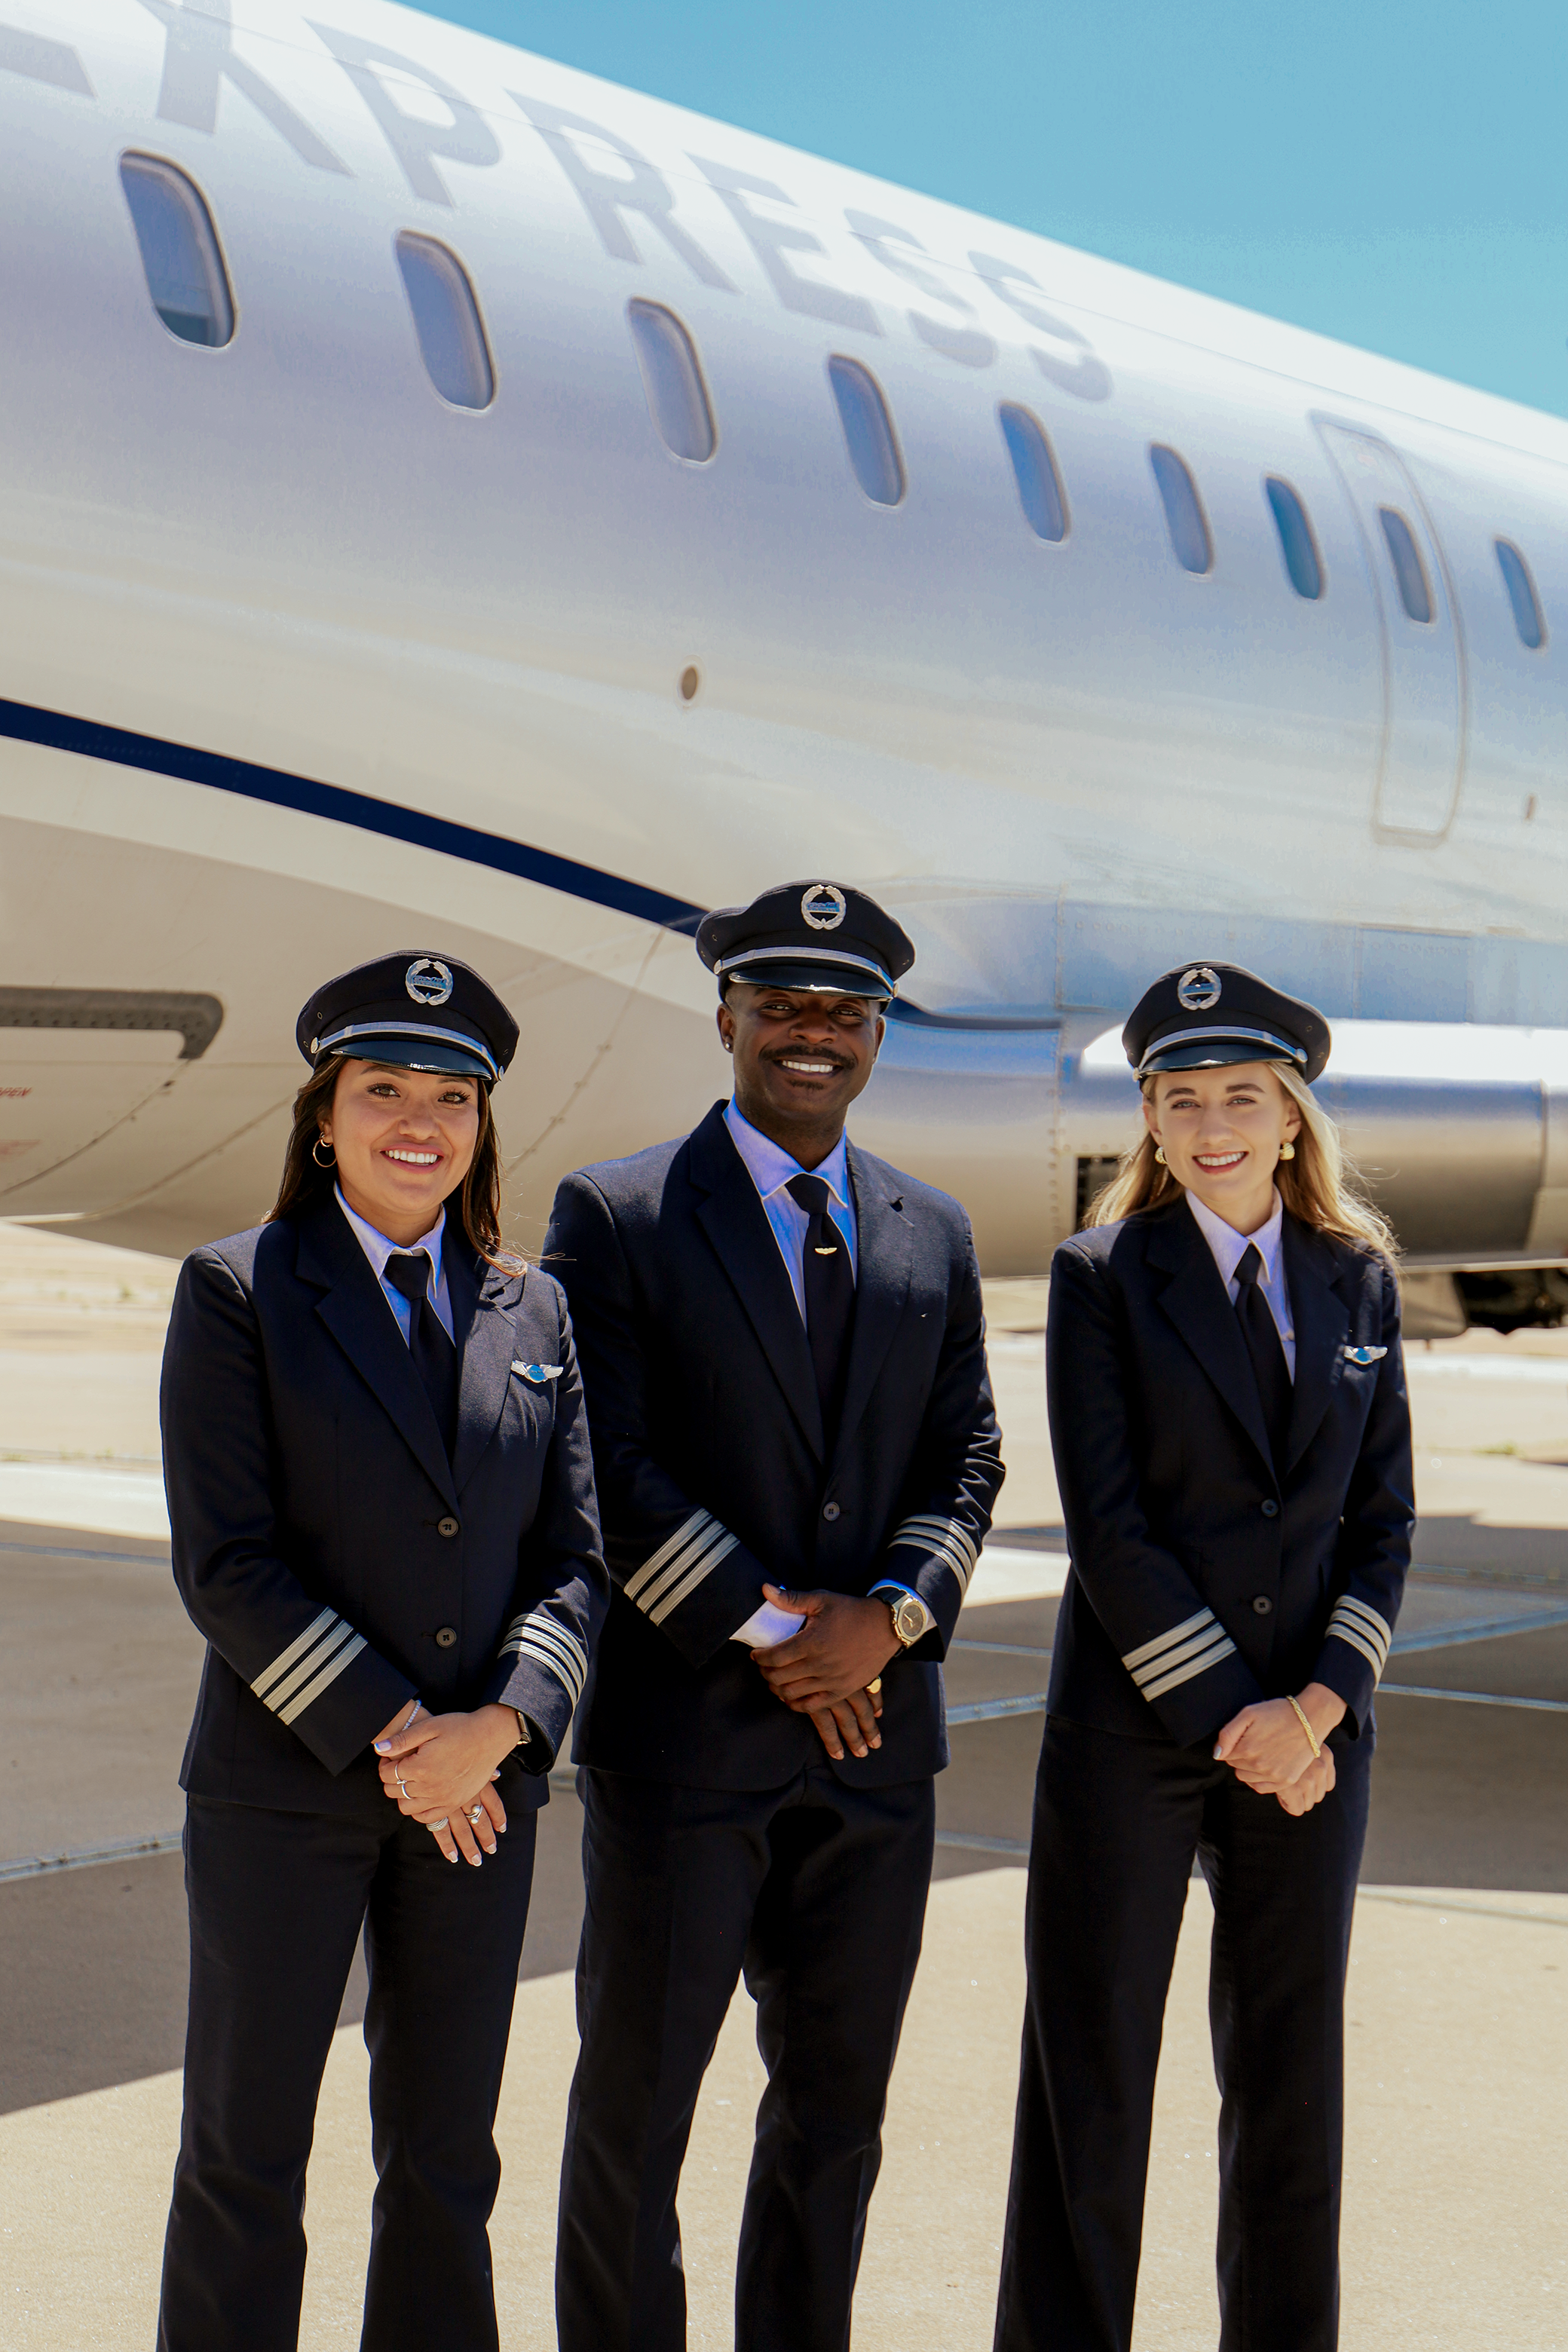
[24, 724]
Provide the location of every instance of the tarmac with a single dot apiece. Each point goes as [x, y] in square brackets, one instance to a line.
[1457, 2172]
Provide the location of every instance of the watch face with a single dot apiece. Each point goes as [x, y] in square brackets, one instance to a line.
[908, 1619]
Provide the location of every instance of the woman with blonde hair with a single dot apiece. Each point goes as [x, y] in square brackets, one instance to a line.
[1232, 1443]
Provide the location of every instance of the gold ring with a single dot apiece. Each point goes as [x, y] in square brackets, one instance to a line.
[873, 1687]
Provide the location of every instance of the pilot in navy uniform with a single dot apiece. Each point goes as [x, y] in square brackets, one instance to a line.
[1232, 1443]
[797, 1456]
[381, 1504]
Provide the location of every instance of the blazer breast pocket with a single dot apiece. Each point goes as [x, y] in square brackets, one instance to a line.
[537, 1375]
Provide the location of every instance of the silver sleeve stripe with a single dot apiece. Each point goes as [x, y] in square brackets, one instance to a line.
[688, 1584]
[285, 1658]
[309, 1669]
[1149, 1650]
[328, 1674]
[1224, 1648]
[1343, 1633]
[1377, 1630]
[686, 1571]
[554, 1645]
[942, 1539]
[666, 1550]
[569, 1670]
[1177, 1654]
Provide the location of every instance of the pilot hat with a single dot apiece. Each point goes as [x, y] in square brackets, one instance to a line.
[416, 1012]
[817, 935]
[1203, 1016]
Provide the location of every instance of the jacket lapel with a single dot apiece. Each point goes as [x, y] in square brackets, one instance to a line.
[736, 1223]
[1321, 1319]
[485, 1333]
[355, 1311]
[884, 1252]
[1196, 1301]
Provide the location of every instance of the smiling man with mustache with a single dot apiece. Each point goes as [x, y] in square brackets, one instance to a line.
[797, 1456]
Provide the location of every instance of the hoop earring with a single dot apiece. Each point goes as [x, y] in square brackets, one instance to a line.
[1160, 1155]
[1287, 1151]
[316, 1153]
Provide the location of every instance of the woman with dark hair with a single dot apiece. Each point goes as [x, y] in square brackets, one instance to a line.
[382, 1506]
[1232, 1443]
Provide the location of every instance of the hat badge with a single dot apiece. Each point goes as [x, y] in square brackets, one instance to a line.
[823, 907]
[1198, 990]
[428, 980]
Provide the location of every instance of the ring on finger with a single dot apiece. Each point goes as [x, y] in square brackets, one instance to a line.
[434, 1826]
[401, 1782]
[477, 1814]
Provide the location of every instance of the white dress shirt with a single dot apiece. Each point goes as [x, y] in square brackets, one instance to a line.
[378, 1249]
[1230, 1247]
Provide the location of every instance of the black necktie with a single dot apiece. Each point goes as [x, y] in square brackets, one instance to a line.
[829, 1289]
[434, 1358]
[1261, 1333]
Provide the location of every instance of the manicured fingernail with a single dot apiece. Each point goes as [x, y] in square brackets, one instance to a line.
[875, 1741]
[490, 1848]
[451, 1857]
[382, 1746]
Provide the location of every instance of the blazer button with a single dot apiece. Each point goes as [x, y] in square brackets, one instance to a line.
[1262, 1607]
[1270, 1511]
[447, 1527]
[830, 1510]
[447, 1635]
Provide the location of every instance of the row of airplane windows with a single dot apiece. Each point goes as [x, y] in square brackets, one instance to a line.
[189, 287]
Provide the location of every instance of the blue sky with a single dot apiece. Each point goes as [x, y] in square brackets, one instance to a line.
[1392, 174]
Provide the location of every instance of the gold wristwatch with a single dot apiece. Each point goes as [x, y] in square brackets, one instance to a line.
[911, 1619]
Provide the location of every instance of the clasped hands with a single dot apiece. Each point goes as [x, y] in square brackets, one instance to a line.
[1266, 1747]
[441, 1769]
[824, 1670]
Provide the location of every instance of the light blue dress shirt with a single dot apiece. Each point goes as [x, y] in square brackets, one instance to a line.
[378, 1249]
[770, 1169]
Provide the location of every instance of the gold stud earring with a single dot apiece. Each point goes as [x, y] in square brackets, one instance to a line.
[1287, 1151]
[1160, 1155]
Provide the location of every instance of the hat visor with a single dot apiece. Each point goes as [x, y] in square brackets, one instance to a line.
[1213, 1054]
[820, 978]
[418, 1054]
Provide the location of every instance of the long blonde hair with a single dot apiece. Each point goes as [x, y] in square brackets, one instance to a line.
[1318, 1186]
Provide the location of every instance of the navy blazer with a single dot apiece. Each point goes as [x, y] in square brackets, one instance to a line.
[1201, 1579]
[712, 1472]
[337, 1563]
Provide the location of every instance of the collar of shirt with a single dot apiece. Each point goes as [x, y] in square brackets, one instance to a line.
[378, 1249]
[771, 1167]
[1229, 1248]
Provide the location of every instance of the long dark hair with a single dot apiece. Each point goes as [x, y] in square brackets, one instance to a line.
[305, 1180]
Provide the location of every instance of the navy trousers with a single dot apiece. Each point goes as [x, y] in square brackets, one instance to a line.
[277, 1901]
[1117, 1823]
[819, 1891]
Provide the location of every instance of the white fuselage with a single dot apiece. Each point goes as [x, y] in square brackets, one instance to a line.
[434, 655]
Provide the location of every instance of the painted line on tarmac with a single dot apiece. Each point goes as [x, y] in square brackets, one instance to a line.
[1478, 1629]
[69, 1552]
[967, 1843]
[986, 1710]
[1472, 1698]
[1460, 1910]
[86, 1857]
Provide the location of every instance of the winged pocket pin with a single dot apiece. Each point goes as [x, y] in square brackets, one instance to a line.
[1364, 1355]
[538, 1373]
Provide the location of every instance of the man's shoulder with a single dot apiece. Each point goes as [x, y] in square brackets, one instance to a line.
[924, 1202]
[623, 1184]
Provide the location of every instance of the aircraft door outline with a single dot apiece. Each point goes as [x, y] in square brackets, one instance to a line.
[1421, 757]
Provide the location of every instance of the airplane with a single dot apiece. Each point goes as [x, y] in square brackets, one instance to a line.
[455, 503]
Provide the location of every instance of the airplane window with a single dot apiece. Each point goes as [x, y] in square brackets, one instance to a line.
[1521, 595]
[867, 432]
[1296, 542]
[1185, 516]
[447, 322]
[1034, 471]
[1414, 591]
[672, 378]
[185, 276]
